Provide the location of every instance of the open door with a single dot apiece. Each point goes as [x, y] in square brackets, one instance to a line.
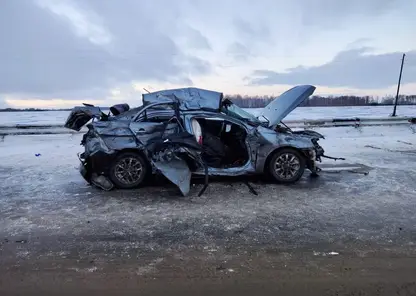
[175, 156]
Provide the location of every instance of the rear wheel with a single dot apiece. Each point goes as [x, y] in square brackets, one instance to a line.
[128, 170]
[287, 165]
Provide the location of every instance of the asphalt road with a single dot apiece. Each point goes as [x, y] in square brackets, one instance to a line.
[344, 233]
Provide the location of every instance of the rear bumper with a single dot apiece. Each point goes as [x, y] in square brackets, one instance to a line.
[95, 172]
[84, 172]
[84, 168]
[98, 163]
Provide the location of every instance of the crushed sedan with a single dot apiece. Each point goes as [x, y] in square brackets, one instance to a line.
[190, 131]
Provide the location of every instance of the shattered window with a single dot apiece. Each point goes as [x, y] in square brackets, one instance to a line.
[128, 115]
[233, 110]
[162, 110]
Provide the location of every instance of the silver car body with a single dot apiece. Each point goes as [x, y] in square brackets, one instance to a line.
[135, 129]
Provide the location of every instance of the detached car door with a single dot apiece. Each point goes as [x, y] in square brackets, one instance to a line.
[169, 146]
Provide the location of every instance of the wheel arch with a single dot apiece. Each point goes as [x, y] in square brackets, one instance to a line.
[133, 150]
[276, 150]
[139, 152]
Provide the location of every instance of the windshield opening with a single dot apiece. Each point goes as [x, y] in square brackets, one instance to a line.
[231, 109]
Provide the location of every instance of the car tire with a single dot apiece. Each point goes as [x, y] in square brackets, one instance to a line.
[128, 170]
[287, 165]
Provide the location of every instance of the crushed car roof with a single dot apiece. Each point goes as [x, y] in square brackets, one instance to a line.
[189, 98]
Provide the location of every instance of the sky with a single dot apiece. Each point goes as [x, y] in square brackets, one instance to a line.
[60, 53]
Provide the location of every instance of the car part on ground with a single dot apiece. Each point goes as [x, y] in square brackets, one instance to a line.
[183, 132]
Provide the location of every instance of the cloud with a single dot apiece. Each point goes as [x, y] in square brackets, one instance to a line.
[195, 39]
[359, 43]
[252, 30]
[83, 49]
[239, 51]
[331, 14]
[59, 48]
[84, 23]
[355, 68]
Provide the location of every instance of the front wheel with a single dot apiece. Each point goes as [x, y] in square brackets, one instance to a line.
[128, 170]
[287, 166]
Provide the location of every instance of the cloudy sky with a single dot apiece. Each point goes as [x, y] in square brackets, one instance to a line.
[59, 53]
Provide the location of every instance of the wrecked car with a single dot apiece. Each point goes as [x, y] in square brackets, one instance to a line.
[190, 131]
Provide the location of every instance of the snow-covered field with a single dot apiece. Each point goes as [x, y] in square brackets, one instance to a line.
[59, 117]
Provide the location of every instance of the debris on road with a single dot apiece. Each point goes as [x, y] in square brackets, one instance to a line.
[22, 241]
[325, 254]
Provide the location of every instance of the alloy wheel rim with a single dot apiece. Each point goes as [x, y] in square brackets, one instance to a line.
[128, 170]
[287, 166]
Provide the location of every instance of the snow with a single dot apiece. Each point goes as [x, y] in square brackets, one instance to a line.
[59, 117]
[46, 193]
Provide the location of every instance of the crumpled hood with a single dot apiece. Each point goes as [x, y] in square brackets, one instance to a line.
[280, 107]
[190, 98]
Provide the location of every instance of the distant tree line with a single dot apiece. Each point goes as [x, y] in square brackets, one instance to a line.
[31, 110]
[321, 101]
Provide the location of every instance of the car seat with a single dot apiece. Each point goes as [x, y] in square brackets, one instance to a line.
[213, 149]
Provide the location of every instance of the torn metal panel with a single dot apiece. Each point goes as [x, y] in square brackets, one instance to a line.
[268, 136]
[94, 143]
[120, 143]
[188, 98]
[146, 131]
[177, 171]
[173, 155]
[113, 128]
[81, 115]
[115, 135]
[247, 169]
[101, 182]
[309, 133]
[269, 141]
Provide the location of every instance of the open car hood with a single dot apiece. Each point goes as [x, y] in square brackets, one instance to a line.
[280, 107]
[190, 98]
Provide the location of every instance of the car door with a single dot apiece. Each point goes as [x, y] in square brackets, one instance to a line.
[152, 122]
[250, 144]
[167, 143]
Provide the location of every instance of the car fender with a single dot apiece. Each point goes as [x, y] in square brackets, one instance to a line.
[270, 141]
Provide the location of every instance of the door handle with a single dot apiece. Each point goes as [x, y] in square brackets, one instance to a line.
[141, 131]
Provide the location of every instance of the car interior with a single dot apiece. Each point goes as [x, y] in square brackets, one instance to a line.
[223, 142]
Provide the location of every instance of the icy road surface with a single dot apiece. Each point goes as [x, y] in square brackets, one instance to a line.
[52, 220]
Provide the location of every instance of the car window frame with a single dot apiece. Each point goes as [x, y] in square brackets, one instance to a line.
[144, 110]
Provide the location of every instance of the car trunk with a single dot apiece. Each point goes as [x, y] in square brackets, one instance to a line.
[81, 115]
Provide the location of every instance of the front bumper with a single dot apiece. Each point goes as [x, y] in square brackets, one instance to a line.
[313, 156]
